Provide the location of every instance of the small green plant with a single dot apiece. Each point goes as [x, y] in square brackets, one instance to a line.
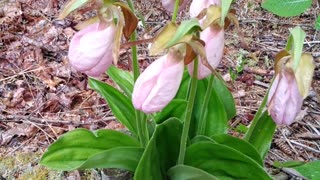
[318, 23]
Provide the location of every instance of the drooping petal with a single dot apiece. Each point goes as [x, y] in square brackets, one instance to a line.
[90, 48]
[284, 101]
[294, 103]
[279, 102]
[159, 83]
[146, 82]
[165, 89]
[214, 45]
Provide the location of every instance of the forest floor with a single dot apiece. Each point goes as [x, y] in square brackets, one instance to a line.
[41, 97]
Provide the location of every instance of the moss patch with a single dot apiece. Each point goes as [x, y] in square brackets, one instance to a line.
[21, 165]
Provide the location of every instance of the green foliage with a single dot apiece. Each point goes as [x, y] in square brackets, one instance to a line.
[120, 104]
[122, 157]
[202, 138]
[161, 152]
[225, 6]
[278, 164]
[240, 145]
[175, 108]
[215, 116]
[218, 111]
[286, 8]
[261, 133]
[241, 61]
[295, 44]
[233, 74]
[122, 78]
[71, 6]
[228, 102]
[184, 29]
[241, 128]
[318, 23]
[223, 162]
[309, 170]
[183, 172]
[184, 86]
[74, 148]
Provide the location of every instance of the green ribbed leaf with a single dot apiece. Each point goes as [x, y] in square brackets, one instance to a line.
[74, 148]
[120, 105]
[287, 8]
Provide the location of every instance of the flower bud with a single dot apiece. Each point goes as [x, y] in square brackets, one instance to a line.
[214, 45]
[198, 5]
[284, 99]
[91, 49]
[159, 83]
[169, 4]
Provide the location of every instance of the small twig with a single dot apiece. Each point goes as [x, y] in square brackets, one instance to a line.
[47, 135]
[20, 118]
[261, 73]
[134, 43]
[314, 112]
[278, 156]
[23, 72]
[54, 132]
[304, 146]
[312, 42]
[305, 124]
[261, 83]
[313, 128]
[287, 140]
[15, 149]
[309, 136]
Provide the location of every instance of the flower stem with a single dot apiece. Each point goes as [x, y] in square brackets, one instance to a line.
[186, 125]
[135, 64]
[133, 37]
[142, 128]
[140, 118]
[175, 10]
[202, 120]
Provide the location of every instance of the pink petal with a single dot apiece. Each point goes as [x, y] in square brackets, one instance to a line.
[146, 82]
[101, 67]
[159, 83]
[294, 103]
[165, 89]
[214, 46]
[285, 100]
[89, 46]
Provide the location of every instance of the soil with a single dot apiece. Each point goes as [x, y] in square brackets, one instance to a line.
[42, 97]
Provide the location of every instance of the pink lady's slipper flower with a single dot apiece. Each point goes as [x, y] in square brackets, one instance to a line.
[213, 36]
[214, 45]
[91, 49]
[159, 83]
[284, 99]
[169, 4]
